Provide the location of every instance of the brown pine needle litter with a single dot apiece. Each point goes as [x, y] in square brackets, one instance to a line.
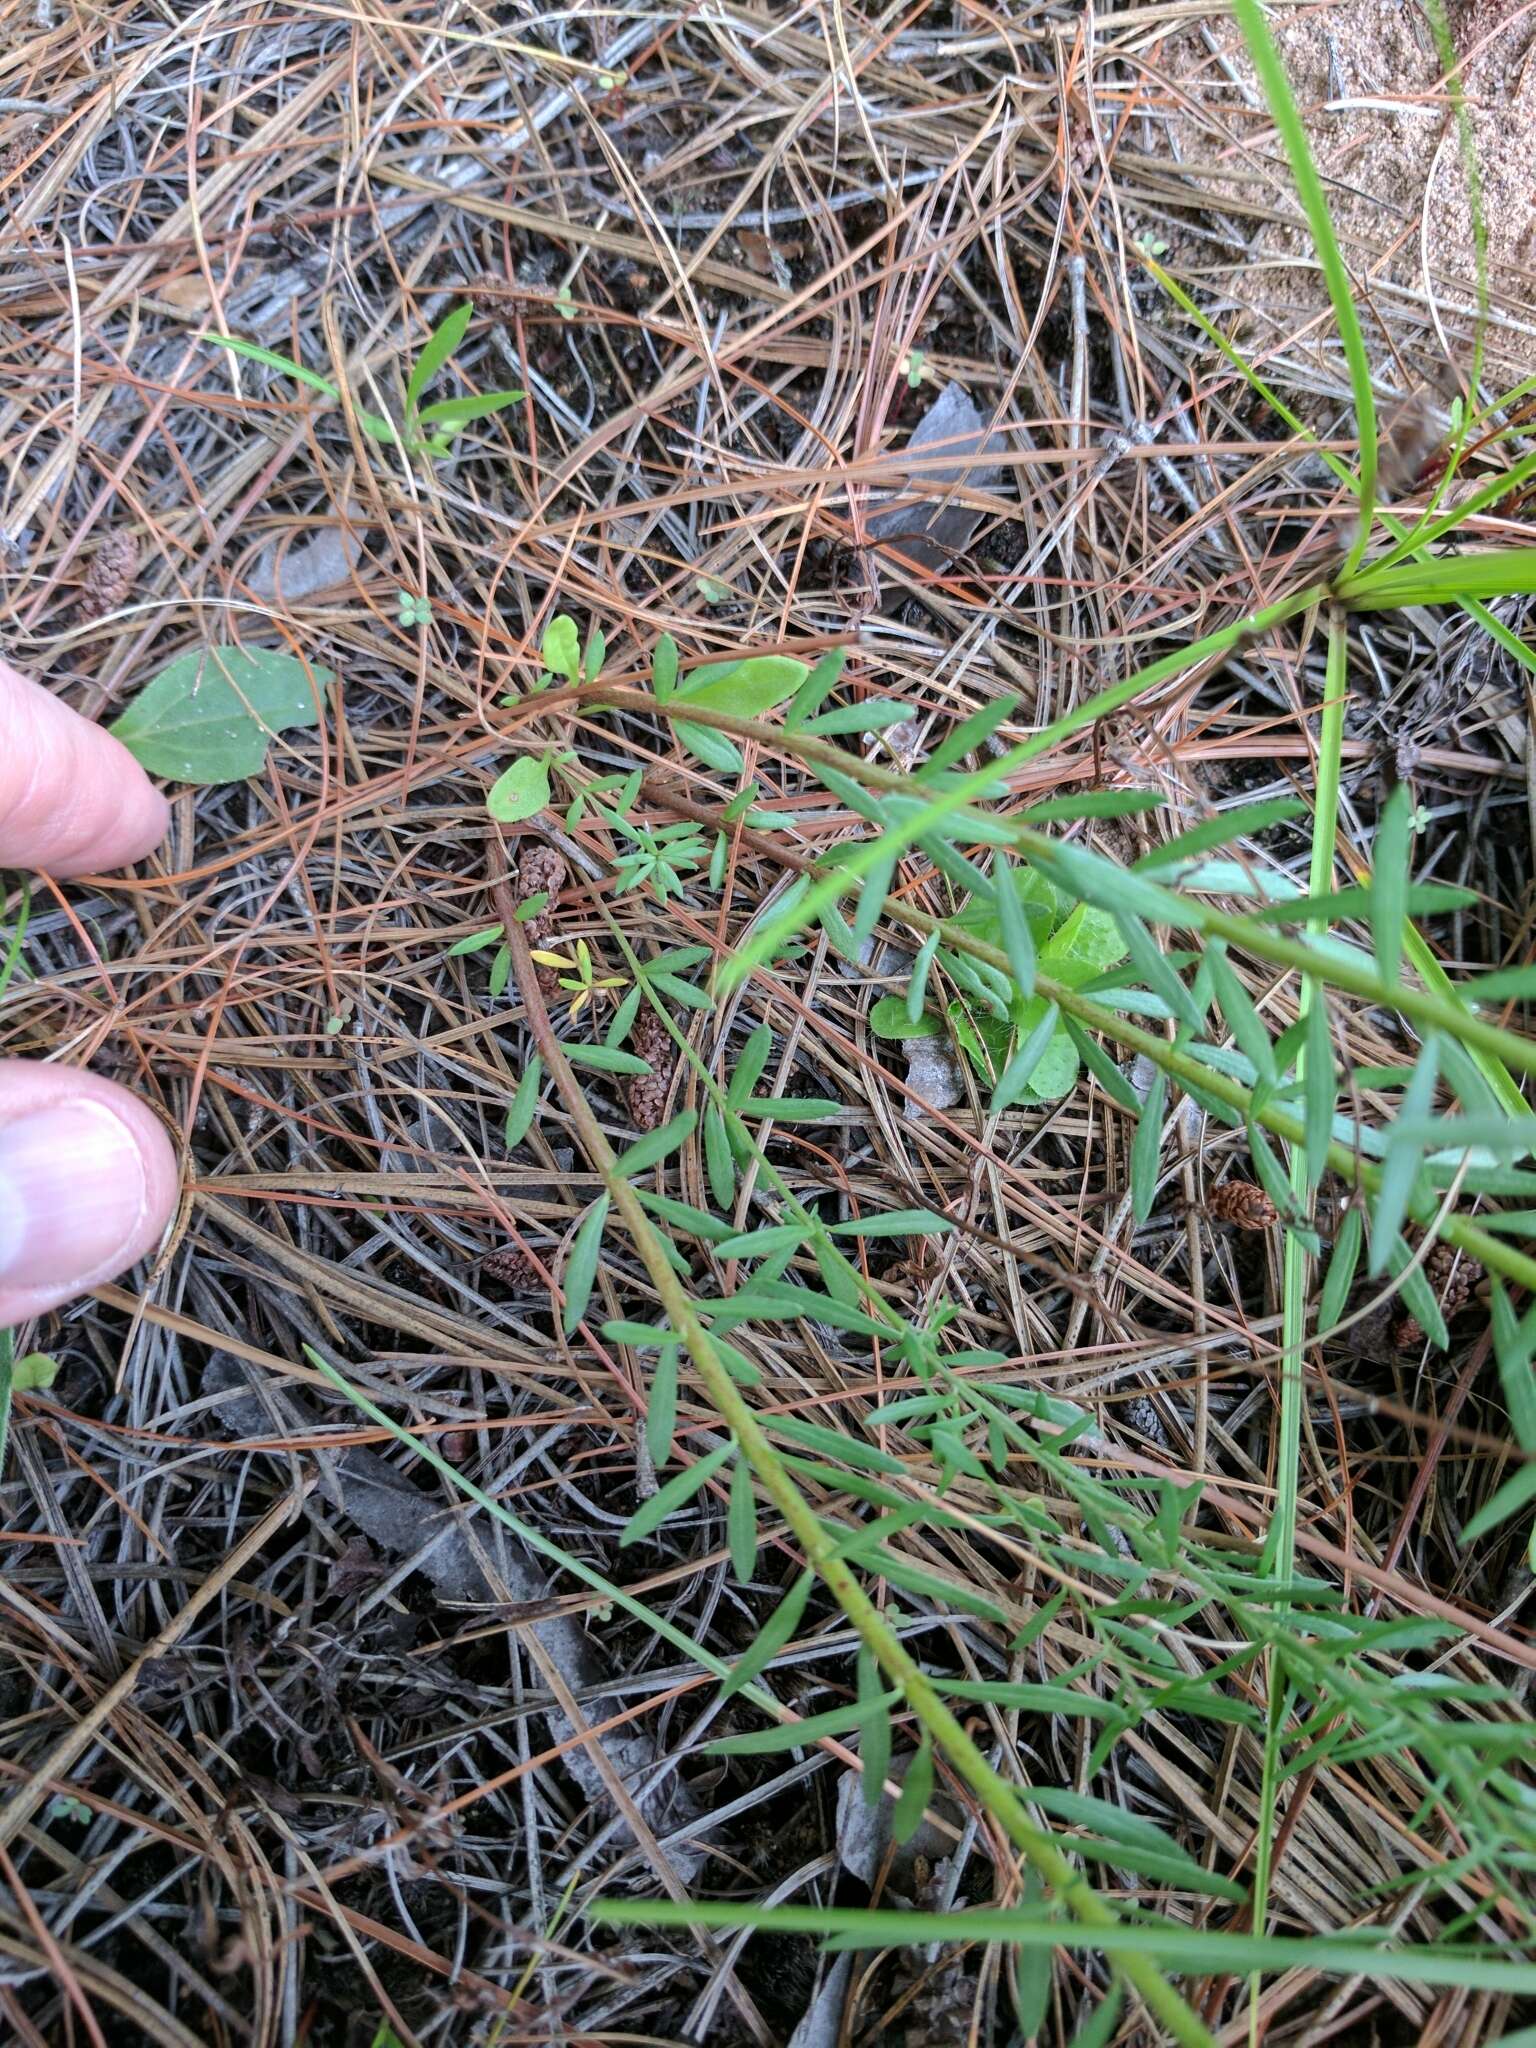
[303, 1741]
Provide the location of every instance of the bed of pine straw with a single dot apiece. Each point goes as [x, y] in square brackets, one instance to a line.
[326, 1772]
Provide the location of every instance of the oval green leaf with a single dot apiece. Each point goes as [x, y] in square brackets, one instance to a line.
[208, 716]
[520, 791]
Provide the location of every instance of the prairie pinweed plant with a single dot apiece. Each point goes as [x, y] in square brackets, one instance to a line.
[859, 1275]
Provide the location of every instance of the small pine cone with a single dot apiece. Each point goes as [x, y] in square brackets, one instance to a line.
[541, 871]
[646, 1094]
[1453, 1280]
[942, 2008]
[1241, 1203]
[110, 577]
[513, 1268]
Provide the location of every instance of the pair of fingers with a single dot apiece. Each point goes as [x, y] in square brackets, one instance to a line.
[87, 1175]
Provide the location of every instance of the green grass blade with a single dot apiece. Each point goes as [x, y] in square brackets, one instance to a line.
[1309, 188]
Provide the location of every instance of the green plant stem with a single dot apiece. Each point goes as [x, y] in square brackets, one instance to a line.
[820, 1549]
[1281, 1546]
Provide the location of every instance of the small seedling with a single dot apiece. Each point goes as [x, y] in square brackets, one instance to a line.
[425, 429]
[414, 610]
[579, 975]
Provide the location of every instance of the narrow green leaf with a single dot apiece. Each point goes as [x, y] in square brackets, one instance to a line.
[524, 1103]
[875, 1746]
[1514, 1342]
[749, 1067]
[1314, 198]
[1341, 1268]
[655, 1145]
[1018, 940]
[255, 353]
[718, 1162]
[501, 972]
[623, 1018]
[818, 684]
[970, 734]
[793, 1109]
[803, 1734]
[643, 1336]
[921, 967]
[758, 1244]
[1103, 1068]
[475, 943]
[684, 1216]
[581, 1267]
[838, 1444]
[1091, 803]
[1400, 1167]
[449, 415]
[438, 347]
[661, 1406]
[680, 991]
[1318, 1088]
[772, 1637]
[1147, 957]
[1226, 826]
[664, 668]
[741, 1523]
[916, 1791]
[1272, 1175]
[1516, 1492]
[713, 748]
[1147, 1148]
[1107, 885]
[677, 1492]
[1506, 984]
[1242, 1018]
[1015, 1077]
[1391, 860]
[895, 1223]
[871, 716]
[605, 1058]
[1098, 2030]
[872, 895]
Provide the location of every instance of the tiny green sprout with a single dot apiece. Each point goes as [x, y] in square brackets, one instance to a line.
[425, 429]
[67, 1807]
[912, 367]
[333, 1024]
[712, 590]
[414, 610]
[1152, 245]
[36, 1370]
[565, 303]
[579, 976]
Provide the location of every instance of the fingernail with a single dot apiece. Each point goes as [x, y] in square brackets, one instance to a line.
[71, 1195]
